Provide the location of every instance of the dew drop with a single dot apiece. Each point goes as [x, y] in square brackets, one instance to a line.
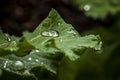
[72, 31]
[7, 37]
[5, 64]
[37, 51]
[50, 33]
[18, 65]
[36, 60]
[87, 7]
[29, 58]
[59, 24]
[42, 63]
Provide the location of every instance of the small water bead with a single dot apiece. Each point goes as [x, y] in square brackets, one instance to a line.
[87, 7]
[36, 60]
[72, 31]
[59, 24]
[50, 33]
[42, 63]
[5, 64]
[7, 37]
[18, 65]
[29, 58]
[37, 51]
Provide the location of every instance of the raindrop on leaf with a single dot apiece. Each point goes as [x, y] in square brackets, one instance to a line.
[87, 7]
[36, 60]
[37, 51]
[42, 63]
[5, 64]
[72, 31]
[29, 58]
[59, 24]
[50, 33]
[18, 65]
[7, 37]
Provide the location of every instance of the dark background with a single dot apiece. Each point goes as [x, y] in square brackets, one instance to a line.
[17, 16]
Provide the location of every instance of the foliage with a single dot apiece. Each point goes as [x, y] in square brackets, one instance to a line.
[98, 8]
[100, 65]
[39, 55]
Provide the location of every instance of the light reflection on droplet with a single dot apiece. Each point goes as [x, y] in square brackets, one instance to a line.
[7, 37]
[19, 63]
[50, 33]
[30, 58]
[41, 63]
[59, 24]
[71, 31]
[5, 64]
[87, 7]
[36, 60]
[37, 51]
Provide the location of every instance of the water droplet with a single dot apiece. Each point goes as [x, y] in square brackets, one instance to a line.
[5, 64]
[59, 24]
[42, 63]
[72, 31]
[29, 58]
[87, 7]
[36, 60]
[37, 51]
[18, 65]
[7, 37]
[50, 33]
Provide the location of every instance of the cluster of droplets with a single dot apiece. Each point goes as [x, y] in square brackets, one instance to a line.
[19, 66]
[36, 51]
[8, 65]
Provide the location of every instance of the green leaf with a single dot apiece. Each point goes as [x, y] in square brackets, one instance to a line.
[68, 45]
[98, 8]
[43, 50]
[25, 65]
[7, 44]
[63, 36]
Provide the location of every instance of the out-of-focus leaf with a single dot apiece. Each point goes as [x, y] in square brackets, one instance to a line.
[98, 8]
